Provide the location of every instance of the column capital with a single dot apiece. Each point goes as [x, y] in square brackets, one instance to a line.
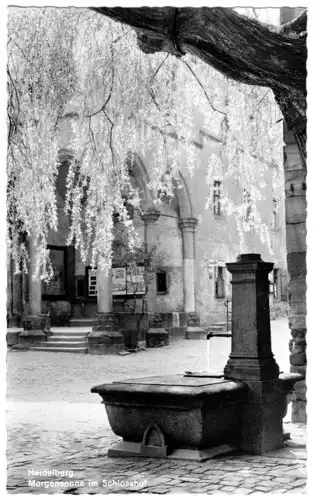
[150, 216]
[188, 224]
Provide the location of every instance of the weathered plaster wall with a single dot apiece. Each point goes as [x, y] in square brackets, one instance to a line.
[217, 237]
[169, 258]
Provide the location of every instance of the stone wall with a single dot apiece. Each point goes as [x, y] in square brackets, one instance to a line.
[295, 189]
[217, 239]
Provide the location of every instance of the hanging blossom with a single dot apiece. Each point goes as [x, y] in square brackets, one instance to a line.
[249, 159]
[125, 102]
[40, 81]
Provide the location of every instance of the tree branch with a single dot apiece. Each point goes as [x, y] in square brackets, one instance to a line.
[239, 47]
[205, 92]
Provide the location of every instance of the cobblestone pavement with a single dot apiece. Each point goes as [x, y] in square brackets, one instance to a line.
[55, 424]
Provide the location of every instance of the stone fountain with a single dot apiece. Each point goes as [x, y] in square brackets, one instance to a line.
[197, 416]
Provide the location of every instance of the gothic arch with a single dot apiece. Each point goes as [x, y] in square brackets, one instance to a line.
[65, 155]
[185, 208]
[184, 205]
[139, 171]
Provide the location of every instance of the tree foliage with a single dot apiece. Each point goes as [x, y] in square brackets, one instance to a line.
[41, 79]
[240, 47]
[121, 101]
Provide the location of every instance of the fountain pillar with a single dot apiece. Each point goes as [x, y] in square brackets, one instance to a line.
[251, 359]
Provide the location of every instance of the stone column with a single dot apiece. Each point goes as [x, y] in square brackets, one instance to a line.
[35, 323]
[35, 287]
[14, 304]
[14, 296]
[149, 218]
[251, 360]
[104, 339]
[188, 227]
[17, 297]
[104, 292]
[295, 200]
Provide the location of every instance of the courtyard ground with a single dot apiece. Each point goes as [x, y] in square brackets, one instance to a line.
[54, 423]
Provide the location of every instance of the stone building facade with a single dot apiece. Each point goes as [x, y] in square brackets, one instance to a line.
[192, 244]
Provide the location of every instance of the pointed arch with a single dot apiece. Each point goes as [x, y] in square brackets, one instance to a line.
[185, 208]
[65, 155]
[139, 171]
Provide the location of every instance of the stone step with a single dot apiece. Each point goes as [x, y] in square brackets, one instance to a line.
[67, 338]
[74, 350]
[51, 343]
[70, 331]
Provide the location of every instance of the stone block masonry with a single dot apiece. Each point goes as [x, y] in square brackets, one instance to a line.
[296, 207]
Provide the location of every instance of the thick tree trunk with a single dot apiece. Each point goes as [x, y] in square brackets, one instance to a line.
[239, 47]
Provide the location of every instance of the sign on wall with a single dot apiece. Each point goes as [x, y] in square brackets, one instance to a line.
[135, 283]
[118, 281]
[125, 281]
[128, 281]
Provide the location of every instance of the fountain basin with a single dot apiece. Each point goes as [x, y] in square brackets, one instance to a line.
[196, 416]
[174, 416]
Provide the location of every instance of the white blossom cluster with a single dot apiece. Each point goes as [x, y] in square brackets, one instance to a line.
[124, 101]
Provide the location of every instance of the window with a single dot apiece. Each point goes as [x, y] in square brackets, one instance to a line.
[161, 282]
[92, 282]
[247, 204]
[220, 283]
[274, 215]
[217, 198]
